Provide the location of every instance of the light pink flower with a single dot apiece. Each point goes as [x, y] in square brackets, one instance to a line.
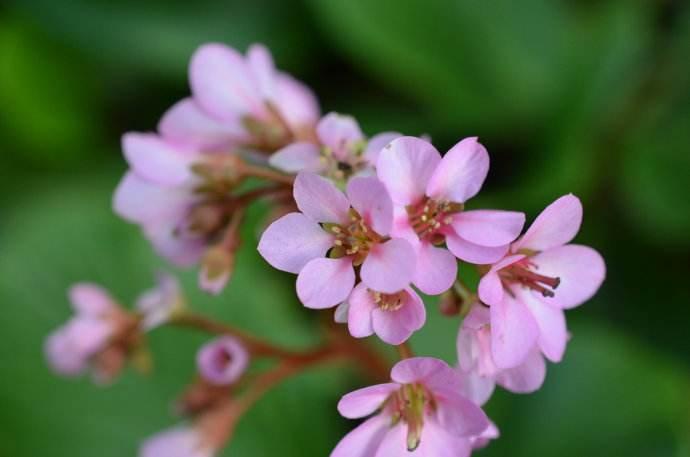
[180, 441]
[476, 364]
[71, 348]
[393, 317]
[342, 150]
[335, 233]
[429, 193]
[222, 361]
[541, 276]
[158, 304]
[420, 413]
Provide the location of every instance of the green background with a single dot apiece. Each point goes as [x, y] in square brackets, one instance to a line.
[590, 97]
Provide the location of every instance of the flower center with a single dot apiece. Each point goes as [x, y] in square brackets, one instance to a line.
[388, 302]
[429, 217]
[349, 161]
[409, 404]
[353, 239]
[522, 273]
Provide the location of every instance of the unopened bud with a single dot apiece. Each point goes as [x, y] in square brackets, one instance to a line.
[216, 268]
[205, 219]
[450, 303]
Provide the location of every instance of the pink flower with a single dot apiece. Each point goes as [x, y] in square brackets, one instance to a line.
[393, 317]
[477, 366]
[430, 193]
[159, 304]
[180, 441]
[541, 276]
[342, 150]
[335, 233]
[422, 412]
[71, 349]
[222, 361]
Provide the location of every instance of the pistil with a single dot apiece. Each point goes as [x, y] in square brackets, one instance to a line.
[521, 274]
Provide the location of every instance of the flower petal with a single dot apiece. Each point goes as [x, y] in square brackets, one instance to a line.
[289, 243]
[297, 157]
[421, 369]
[514, 332]
[222, 361]
[341, 312]
[186, 123]
[460, 416]
[91, 299]
[581, 271]
[262, 68]
[364, 440]
[437, 441]
[178, 441]
[155, 160]
[222, 83]
[376, 143]
[320, 200]
[297, 103]
[490, 288]
[461, 173]
[338, 132]
[324, 283]
[179, 250]
[475, 387]
[359, 314]
[553, 334]
[555, 226]
[140, 201]
[525, 378]
[405, 166]
[473, 253]
[371, 200]
[396, 326]
[389, 267]
[489, 227]
[437, 269]
[363, 402]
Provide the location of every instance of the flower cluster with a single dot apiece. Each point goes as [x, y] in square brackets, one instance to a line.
[366, 223]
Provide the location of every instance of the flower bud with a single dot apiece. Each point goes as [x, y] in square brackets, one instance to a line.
[216, 268]
[222, 361]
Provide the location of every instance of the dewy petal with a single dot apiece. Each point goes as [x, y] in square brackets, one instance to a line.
[553, 333]
[436, 269]
[296, 102]
[156, 160]
[297, 157]
[371, 200]
[490, 288]
[489, 227]
[525, 378]
[187, 124]
[474, 253]
[359, 314]
[140, 201]
[261, 65]
[581, 271]
[555, 226]
[405, 166]
[90, 299]
[461, 173]
[376, 143]
[324, 283]
[222, 82]
[337, 131]
[389, 267]
[396, 326]
[289, 243]
[365, 401]
[364, 440]
[320, 200]
[514, 332]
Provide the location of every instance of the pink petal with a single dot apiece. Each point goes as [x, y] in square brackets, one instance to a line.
[91, 299]
[179, 441]
[262, 68]
[437, 269]
[296, 102]
[490, 288]
[389, 267]
[437, 442]
[461, 173]
[341, 312]
[489, 227]
[179, 250]
[223, 84]
[187, 124]
[222, 361]
[514, 332]
[525, 378]
[473, 253]
[405, 166]
[395, 327]
[475, 387]
[364, 440]
[555, 226]
[213, 285]
[376, 143]
[61, 356]
[553, 334]
[482, 440]
[420, 369]
[140, 201]
[297, 157]
[324, 283]
[363, 402]
[320, 200]
[359, 314]
[371, 200]
[155, 160]
[460, 416]
[581, 270]
[338, 132]
[289, 243]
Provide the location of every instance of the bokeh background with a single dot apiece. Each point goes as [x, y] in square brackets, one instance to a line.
[590, 97]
